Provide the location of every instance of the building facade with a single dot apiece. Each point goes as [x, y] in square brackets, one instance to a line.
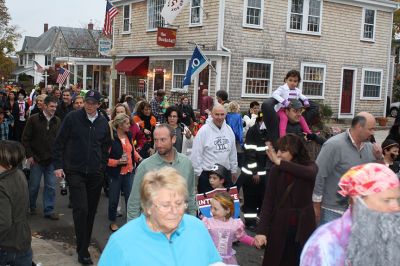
[341, 47]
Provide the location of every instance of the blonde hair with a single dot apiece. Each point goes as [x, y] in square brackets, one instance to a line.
[153, 181]
[41, 97]
[226, 202]
[119, 120]
[233, 107]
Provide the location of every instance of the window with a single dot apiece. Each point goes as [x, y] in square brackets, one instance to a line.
[371, 84]
[305, 16]
[155, 19]
[313, 80]
[21, 59]
[253, 13]
[30, 59]
[196, 12]
[126, 28]
[368, 25]
[47, 60]
[179, 72]
[257, 77]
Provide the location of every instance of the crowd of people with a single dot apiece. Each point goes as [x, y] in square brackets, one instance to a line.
[158, 155]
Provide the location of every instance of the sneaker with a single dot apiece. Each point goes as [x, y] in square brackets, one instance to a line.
[52, 216]
[32, 211]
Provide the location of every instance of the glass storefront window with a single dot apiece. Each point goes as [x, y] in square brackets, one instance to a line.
[79, 75]
[71, 75]
[89, 77]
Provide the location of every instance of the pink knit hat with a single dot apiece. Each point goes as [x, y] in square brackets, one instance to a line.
[367, 179]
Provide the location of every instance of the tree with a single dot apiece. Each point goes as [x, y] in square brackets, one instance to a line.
[396, 21]
[9, 35]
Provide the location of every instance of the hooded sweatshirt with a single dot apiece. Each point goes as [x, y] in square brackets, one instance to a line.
[213, 145]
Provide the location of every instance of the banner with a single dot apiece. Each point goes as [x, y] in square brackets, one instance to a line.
[197, 63]
[166, 37]
[204, 201]
[171, 9]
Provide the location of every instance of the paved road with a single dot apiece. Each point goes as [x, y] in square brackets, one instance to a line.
[62, 230]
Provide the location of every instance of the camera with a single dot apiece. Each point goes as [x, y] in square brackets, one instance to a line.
[63, 187]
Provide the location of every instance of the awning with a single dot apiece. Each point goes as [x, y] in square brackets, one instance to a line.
[133, 66]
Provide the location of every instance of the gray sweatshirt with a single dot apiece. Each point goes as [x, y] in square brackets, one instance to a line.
[337, 155]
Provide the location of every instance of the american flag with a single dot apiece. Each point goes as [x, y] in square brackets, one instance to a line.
[62, 75]
[38, 68]
[111, 12]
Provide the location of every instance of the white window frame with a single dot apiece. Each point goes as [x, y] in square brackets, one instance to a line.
[173, 74]
[124, 18]
[319, 65]
[200, 23]
[306, 10]
[30, 61]
[244, 77]
[362, 97]
[362, 38]
[46, 60]
[148, 17]
[245, 24]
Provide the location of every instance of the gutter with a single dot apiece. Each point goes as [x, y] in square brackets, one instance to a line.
[220, 40]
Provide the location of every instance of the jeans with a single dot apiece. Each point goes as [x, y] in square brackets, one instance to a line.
[49, 191]
[85, 190]
[117, 184]
[16, 258]
[328, 216]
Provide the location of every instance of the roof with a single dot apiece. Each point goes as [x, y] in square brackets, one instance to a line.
[75, 39]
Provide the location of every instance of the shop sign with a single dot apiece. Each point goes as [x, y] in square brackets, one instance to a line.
[159, 70]
[166, 37]
[104, 46]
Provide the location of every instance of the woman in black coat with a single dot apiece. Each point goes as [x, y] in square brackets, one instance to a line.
[287, 214]
[188, 116]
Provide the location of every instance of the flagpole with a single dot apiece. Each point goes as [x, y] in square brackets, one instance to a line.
[205, 57]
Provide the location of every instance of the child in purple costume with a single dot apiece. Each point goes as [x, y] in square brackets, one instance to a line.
[224, 230]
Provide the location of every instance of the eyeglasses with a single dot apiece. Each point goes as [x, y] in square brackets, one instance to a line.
[168, 207]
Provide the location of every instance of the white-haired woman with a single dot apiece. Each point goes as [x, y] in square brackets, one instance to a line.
[163, 234]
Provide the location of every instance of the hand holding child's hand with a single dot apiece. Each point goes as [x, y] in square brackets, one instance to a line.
[260, 240]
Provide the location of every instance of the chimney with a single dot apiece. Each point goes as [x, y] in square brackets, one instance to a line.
[90, 26]
[46, 27]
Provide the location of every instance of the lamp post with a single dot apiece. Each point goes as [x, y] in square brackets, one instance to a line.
[113, 77]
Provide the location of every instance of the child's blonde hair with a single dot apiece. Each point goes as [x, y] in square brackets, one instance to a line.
[226, 202]
[233, 107]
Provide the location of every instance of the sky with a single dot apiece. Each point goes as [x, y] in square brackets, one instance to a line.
[30, 16]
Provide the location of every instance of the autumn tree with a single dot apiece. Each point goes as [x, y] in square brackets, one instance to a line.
[8, 37]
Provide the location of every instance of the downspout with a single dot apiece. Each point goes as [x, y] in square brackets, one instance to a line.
[388, 66]
[220, 41]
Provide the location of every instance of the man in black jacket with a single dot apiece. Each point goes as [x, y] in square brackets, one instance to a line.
[81, 155]
[66, 106]
[38, 139]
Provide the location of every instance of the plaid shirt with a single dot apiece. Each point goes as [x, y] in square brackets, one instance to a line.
[4, 128]
[157, 111]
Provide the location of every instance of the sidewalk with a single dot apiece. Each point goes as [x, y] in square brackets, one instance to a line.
[52, 253]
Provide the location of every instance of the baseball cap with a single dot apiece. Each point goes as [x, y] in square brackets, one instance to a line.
[220, 170]
[295, 104]
[93, 96]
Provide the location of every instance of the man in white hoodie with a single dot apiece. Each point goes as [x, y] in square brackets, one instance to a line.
[214, 143]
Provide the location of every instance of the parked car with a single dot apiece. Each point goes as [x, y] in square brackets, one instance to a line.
[394, 109]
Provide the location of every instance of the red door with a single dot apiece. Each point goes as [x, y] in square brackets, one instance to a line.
[347, 91]
[203, 83]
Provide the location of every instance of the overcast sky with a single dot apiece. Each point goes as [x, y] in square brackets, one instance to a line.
[30, 16]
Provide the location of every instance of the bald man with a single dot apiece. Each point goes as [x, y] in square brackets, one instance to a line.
[338, 154]
[214, 143]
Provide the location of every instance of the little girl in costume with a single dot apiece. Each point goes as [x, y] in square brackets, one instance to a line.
[225, 230]
[283, 95]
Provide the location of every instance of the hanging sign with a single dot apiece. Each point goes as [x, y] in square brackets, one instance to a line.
[166, 37]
